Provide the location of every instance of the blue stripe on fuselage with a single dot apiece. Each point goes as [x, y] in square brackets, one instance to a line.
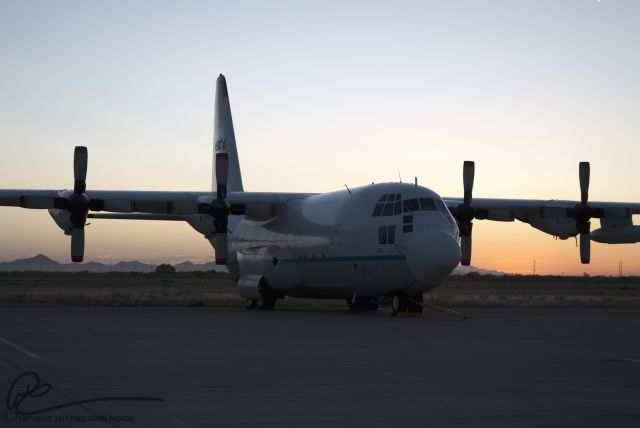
[343, 259]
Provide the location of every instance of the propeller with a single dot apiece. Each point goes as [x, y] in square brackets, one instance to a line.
[583, 213]
[78, 203]
[220, 209]
[465, 212]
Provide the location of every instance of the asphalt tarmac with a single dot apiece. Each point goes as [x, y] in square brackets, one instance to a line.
[211, 367]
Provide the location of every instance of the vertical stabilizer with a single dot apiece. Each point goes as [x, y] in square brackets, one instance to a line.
[224, 139]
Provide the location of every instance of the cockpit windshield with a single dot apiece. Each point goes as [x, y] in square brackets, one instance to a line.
[392, 204]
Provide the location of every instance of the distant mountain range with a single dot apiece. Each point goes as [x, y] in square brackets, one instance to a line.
[43, 263]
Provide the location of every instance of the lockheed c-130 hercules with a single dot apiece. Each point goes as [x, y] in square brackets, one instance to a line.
[388, 241]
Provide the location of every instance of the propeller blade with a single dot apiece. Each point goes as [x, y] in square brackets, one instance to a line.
[468, 172]
[585, 248]
[465, 247]
[80, 160]
[221, 247]
[77, 244]
[584, 173]
[222, 173]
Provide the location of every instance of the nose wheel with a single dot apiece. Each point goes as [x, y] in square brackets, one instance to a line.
[406, 305]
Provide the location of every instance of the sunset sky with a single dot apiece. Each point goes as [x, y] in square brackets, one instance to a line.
[323, 93]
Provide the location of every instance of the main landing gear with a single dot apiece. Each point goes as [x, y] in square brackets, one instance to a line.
[406, 305]
[266, 303]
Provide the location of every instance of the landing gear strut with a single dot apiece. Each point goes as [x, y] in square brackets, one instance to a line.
[403, 304]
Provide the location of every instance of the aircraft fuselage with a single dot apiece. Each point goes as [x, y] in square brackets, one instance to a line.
[372, 240]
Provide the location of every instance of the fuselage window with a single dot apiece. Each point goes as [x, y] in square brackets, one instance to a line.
[382, 235]
[387, 235]
[407, 223]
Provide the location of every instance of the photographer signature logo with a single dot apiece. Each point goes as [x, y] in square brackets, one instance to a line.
[28, 387]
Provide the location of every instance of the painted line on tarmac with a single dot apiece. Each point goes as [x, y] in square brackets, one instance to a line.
[19, 348]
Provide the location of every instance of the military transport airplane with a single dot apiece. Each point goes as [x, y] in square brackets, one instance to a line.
[381, 241]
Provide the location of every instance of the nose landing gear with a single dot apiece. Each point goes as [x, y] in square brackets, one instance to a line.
[267, 302]
[405, 305]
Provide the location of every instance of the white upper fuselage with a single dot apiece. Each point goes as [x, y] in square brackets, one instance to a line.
[337, 244]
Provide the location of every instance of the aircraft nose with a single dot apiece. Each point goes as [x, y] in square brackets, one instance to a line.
[432, 254]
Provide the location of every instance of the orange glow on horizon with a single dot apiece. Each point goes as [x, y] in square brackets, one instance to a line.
[507, 247]
[513, 248]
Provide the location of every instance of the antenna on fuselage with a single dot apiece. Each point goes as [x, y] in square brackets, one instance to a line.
[348, 190]
[415, 181]
[399, 176]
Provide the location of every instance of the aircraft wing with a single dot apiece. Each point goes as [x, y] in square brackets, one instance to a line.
[562, 219]
[71, 208]
[265, 197]
[508, 209]
[108, 200]
[147, 202]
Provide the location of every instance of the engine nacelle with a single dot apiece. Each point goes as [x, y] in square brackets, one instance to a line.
[617, 235]
[273, 263]
[563, 228]
[62, 219]
[250, 286]
[203, 224]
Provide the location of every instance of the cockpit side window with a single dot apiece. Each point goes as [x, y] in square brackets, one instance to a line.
[388, 209]
[388, 205]
[427, 204]
[392, 204]
[441, 206]
[411, 205]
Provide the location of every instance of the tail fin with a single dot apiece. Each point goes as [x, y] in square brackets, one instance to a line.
[224, 139]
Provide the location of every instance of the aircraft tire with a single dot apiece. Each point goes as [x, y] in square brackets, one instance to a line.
[268, 301]
[402, 303]
[399, 303]
[413, 307]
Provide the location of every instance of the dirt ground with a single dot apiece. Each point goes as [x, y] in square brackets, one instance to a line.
[216, 289]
